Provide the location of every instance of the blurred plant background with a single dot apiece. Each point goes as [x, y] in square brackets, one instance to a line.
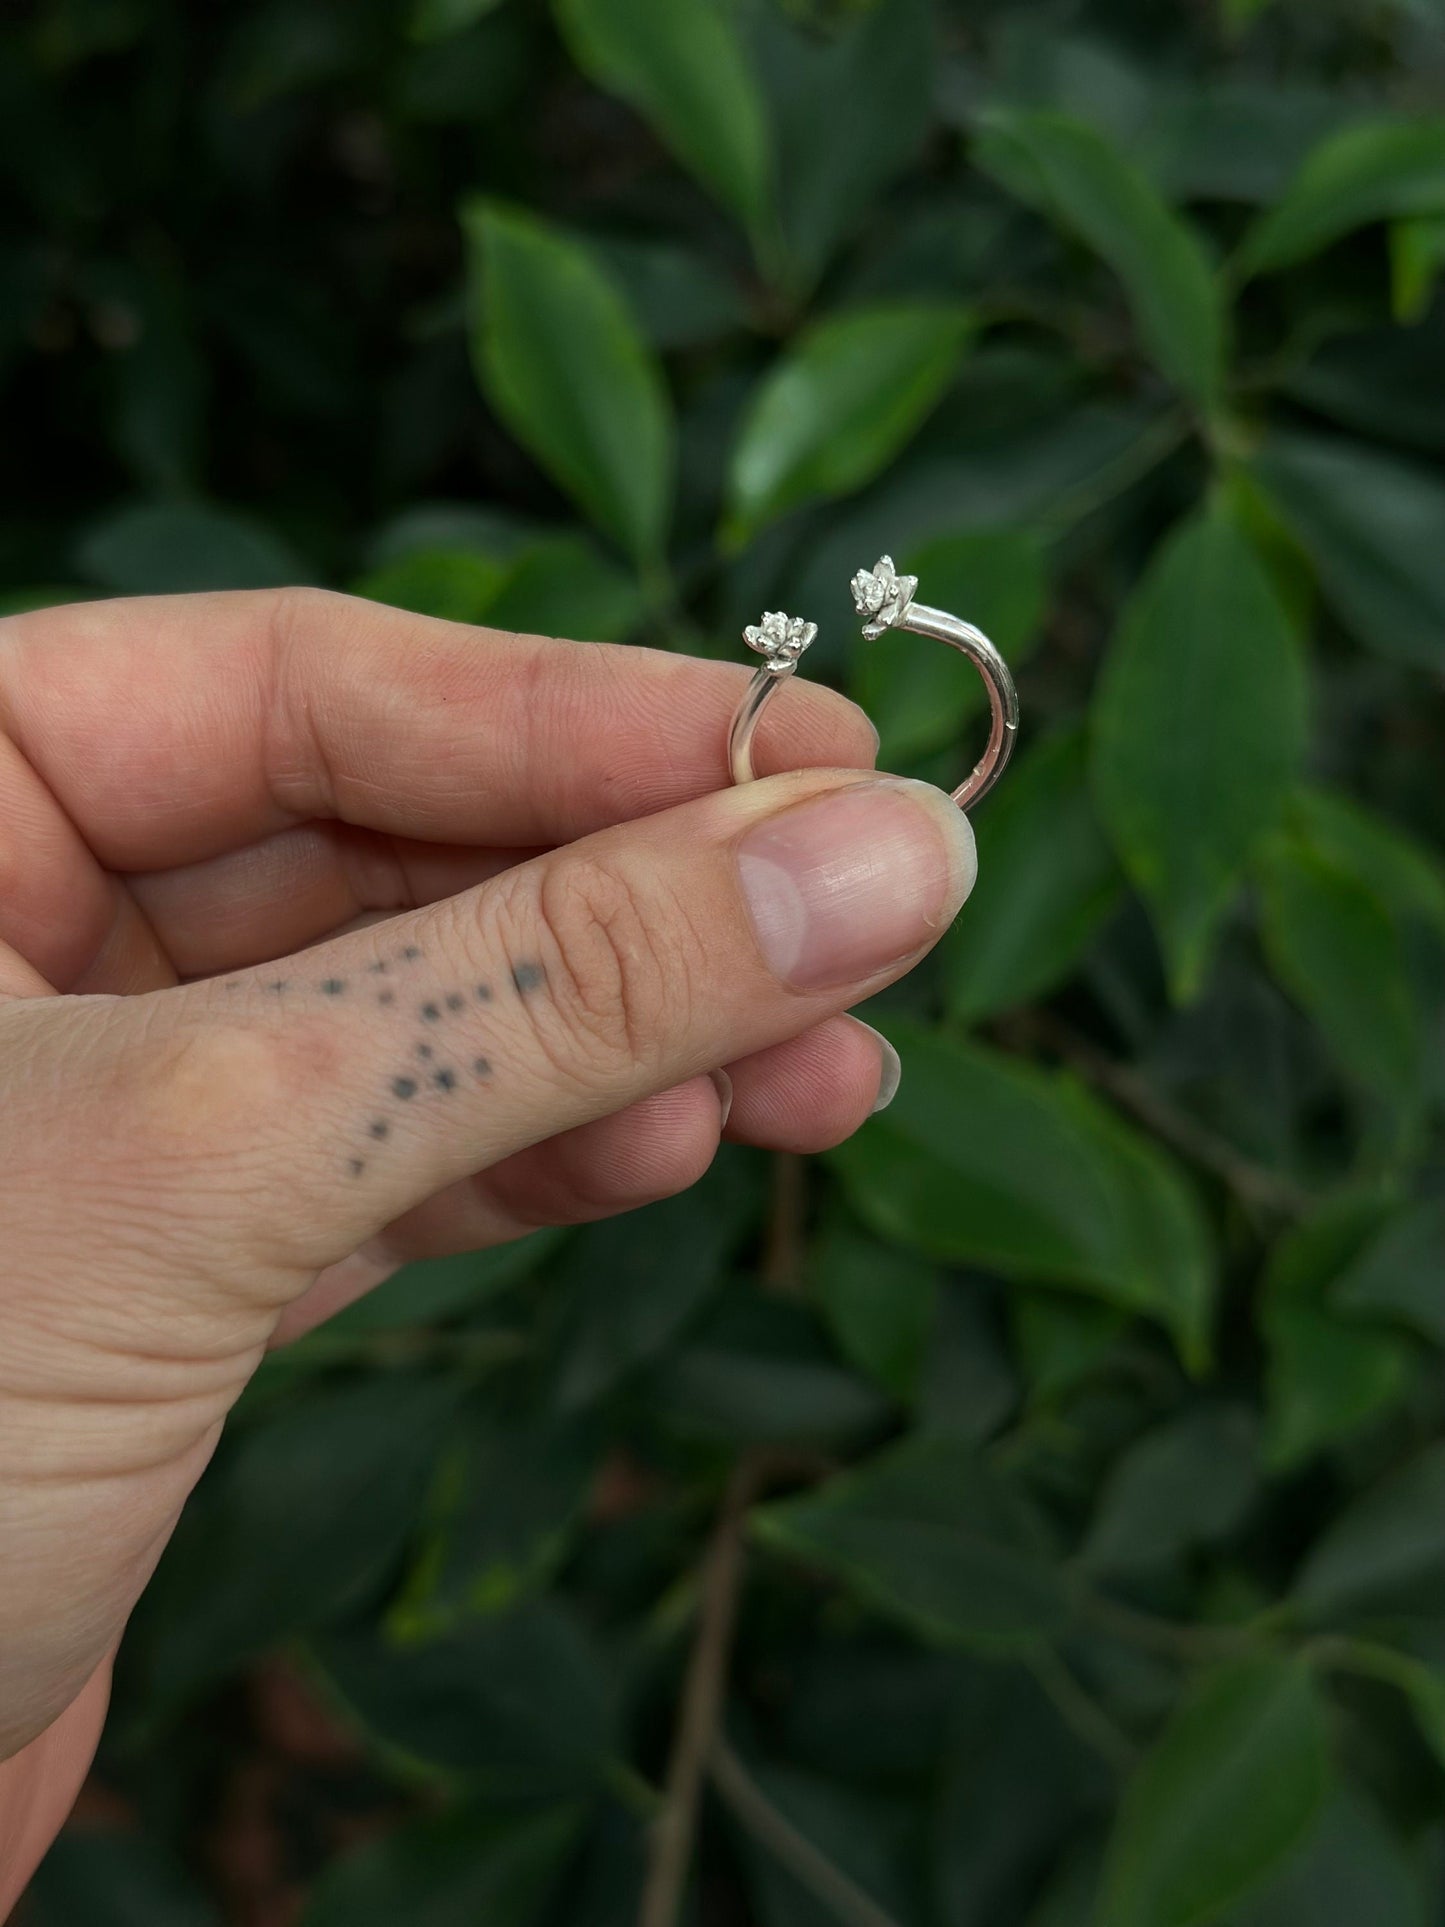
[1032, 1515]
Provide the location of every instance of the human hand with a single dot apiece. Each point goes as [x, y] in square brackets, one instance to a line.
[332, 937]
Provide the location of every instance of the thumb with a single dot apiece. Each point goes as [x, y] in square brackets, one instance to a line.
[360, 1077]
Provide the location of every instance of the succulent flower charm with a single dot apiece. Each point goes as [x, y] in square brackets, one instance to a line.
[882, 596]
[780, 639]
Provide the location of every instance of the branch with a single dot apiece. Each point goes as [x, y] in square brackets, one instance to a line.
[812, 1869]
[670, 1850]
[786, 1246]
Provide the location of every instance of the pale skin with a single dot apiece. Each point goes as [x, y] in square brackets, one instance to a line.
[333, 937]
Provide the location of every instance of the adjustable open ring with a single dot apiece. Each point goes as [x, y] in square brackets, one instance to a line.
[885, 599]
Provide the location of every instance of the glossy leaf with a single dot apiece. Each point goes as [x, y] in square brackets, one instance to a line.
[1078, 179]
[1230, 1788]
[1047, 880]
[563, 363]
[300, 1520]
[455, 584]
[1184, 1485]
[1334, 946]
[684, 69]
[879, 1303]
[982, 1159]
[845, 119]
[1329, 1373]
[1378, 171]
[1385, 1553]
[468, 1864]
[519, 1703]
[1399, 1273]
[1371, 524]
[1199, 729]
[1417, 260]
[505, 1501]
[1353, 1871]
[929, 1535]
[838, 406]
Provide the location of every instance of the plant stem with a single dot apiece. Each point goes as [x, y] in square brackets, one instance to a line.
[1168, 1637]
[811, 1868]
[783, 1255]
[1081, 1712]
[670, 1851]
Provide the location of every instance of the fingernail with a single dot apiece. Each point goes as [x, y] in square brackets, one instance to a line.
[723, 1085]
[890, 1069]
[843, 886]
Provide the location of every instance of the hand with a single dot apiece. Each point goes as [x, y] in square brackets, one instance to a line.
[332, 937]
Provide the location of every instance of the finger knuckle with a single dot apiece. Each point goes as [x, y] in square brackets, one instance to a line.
[620, 963]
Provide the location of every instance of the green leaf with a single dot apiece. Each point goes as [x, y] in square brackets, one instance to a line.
[1231, 1786]
[1328, 1374]
[1199, 728]
[171, 549]
[1379, 171]
[563, 363]
[930, 1536]
[1078, 179]
[879, 1304]
[1353, 1871]
[562, 586]
[757, 1372]
[1187, 1483]
[967, 1386]
[1423, 1685]
[982, 1159]
[684, 69]
[1371, 524]
[1334, 946]
[1400, 1272]
[1062, 1342]
[432, 1291]
[1385, 1553]
[507, 1496]
[519, 1704]
[1417, 259]
[470, 1864]
[629, 1286]
[454, 584]
[1047, 880]
[838, 405]
[834, 160]
[300, 1519]
[1409, 875]
[920, 699]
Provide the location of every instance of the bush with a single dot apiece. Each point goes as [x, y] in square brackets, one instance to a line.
[1069, 1444]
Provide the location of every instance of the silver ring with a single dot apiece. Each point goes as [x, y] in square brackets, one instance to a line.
[885, 599]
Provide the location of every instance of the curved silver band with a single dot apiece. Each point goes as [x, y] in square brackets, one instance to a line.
[745, 719]
[923, 621]
[1003, 698]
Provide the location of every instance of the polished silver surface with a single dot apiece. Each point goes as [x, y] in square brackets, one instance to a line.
[779, 639]
[885, 599]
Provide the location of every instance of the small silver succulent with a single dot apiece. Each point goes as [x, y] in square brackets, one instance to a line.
[780, 639]
[881, 596]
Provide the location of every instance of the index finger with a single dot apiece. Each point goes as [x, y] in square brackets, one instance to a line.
[174, 728]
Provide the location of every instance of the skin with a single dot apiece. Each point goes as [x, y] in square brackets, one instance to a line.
[333, 937]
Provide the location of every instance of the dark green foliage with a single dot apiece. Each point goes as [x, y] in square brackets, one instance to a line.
[1095, 1572]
